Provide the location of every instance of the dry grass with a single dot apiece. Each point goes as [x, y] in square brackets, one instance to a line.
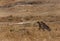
[16, 32]
[49, 12]
[30, 32]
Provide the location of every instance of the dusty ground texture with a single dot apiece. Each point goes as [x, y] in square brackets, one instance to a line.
[15, 11]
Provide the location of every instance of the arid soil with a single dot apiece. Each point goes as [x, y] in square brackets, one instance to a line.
[17, 11]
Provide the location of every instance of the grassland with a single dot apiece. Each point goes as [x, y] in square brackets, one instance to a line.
[47, 11]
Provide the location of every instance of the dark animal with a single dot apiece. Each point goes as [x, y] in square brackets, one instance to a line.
[43, 26]
[39, 25]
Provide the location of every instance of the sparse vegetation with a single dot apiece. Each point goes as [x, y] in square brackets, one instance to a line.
[16, 11]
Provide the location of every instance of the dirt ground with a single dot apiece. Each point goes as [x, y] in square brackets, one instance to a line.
[47, 11]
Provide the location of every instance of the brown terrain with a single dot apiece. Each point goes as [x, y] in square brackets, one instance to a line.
[14, 12]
